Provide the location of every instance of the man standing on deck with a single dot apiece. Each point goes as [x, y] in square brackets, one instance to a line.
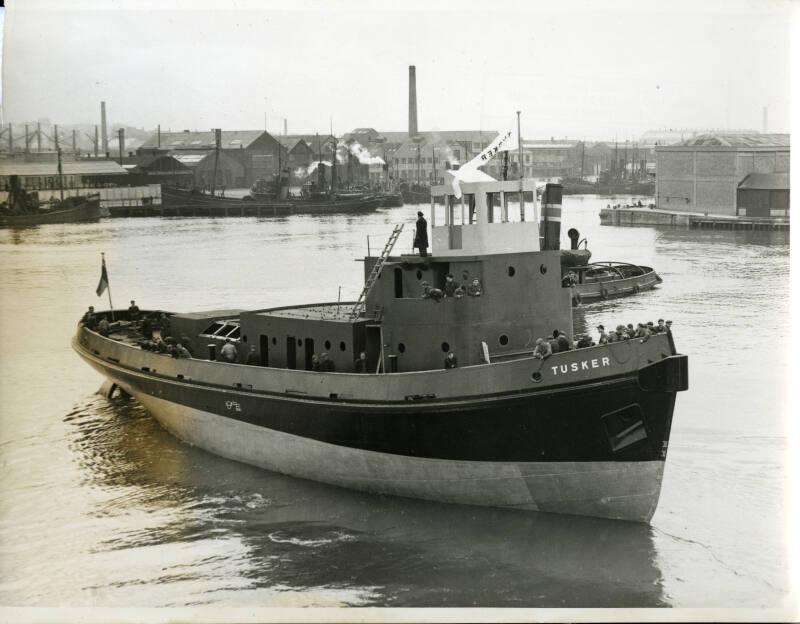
[229, 352]
[133, 312]
[253, 358]
[421, 237]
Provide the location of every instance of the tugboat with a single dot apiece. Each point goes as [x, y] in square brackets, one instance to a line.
[428, 389]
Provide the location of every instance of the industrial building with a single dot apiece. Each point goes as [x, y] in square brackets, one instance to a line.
[245, 155]
[75, 174]
[712, 174]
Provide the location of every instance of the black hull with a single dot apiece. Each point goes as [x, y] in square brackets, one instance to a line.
[416, 197]
[567, 425]
[643, 188]
[186, 203]
[85, 211]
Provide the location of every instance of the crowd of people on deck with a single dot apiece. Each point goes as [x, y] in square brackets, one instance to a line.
[559, 341]
[452, 288]
[153, 327]
[162, 342]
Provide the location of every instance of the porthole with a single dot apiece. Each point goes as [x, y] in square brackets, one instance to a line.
[401, 347]
[327, 345]
[419, 274]
[342, 346]
[511, 271]
[446, 347]
[537, 376]
[503, 340]
[543, 269]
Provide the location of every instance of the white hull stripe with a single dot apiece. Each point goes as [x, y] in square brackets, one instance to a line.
[623, 490]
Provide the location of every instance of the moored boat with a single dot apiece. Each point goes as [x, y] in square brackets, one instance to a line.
[181, 199]
[24, 209]
[71, 210]
[581, 431]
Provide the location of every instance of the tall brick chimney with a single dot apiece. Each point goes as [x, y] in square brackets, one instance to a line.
[412, 101]
[103, 127]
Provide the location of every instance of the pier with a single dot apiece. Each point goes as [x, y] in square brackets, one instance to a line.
[199, 210]
[694, 220]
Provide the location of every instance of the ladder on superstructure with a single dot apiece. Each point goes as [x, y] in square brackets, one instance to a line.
[359, 306]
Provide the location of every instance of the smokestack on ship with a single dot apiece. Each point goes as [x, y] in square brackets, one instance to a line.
[550, 225]
[412, 102]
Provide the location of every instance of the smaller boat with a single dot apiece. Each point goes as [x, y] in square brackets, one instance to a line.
[24, 209]
[71, 210]
[195, 202]
[416, 194]
[603, 280]
[391, 199]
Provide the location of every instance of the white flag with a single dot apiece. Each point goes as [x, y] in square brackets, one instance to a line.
[504, 141]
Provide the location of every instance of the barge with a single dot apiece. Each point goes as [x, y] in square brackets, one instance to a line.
[582, 431]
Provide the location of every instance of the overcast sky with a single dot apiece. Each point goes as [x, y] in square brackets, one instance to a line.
[576, 69]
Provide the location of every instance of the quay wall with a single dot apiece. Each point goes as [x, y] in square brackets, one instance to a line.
[658, 217]
[110, 197]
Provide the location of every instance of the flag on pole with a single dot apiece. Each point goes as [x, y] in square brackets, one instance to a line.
[504, 141]
[103, 285]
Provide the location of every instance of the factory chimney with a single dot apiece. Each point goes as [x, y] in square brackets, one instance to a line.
[285, 126]
[764, 120]
[121, 144]
[412, 101]
[103, 127]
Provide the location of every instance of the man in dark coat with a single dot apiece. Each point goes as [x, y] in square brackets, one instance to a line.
[421, 237]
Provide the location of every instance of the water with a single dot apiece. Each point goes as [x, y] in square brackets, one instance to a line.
[101, 507]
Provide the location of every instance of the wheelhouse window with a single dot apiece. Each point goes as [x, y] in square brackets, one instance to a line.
[223, 329]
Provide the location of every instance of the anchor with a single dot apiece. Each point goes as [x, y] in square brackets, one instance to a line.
[109, 388]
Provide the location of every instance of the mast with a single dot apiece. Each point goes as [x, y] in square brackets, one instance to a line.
[583, 154]
[521, 172]
[217, 141]
[60, 170]
[333, 165]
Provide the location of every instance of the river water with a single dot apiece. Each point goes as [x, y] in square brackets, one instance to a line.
[101, 507]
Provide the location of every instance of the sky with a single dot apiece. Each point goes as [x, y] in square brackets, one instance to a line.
[575, 69]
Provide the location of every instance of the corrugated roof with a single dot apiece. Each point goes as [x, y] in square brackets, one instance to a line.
[290, 143]
[77, 167]
[737, 140]
[539, 144]
[190, 160]
[145, 160]
[766, 181]
[231, 139]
